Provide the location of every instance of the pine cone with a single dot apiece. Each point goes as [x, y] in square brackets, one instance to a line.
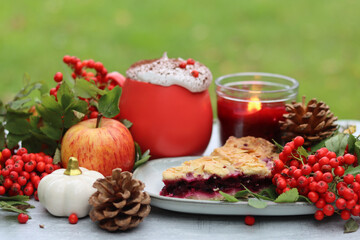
[120, 202]
[313, 121]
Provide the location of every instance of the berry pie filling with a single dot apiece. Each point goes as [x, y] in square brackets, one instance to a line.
[240, 162]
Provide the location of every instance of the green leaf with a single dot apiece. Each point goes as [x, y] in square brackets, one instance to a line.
[288, 197]
[126, 123]
[279, 146]
[17, 126]
[70, 118]
[317, 146]
[51, 132]
[304, 199]
[228, 197]
[137, 151]
[78, 105]
[270, 192]
[255, 194]
[18, 104]
[15, 198]
[86, 89]
[14, 139]
[337, 143]
[65, 95]
[109, 103]
[51, 117]
[257, 203]
[351, 143]
[2, 137]
[352, 170]
[351, 226]
[357, 150]
[51, 104]
[242, 194]
[302, 152]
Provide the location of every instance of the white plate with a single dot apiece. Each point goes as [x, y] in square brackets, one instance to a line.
[151, 174]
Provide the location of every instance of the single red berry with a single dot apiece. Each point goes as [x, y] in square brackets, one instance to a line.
[18, 167]
[53, 91]
[320, 203]
[182, 65]
[306, 169]
[73, 218]
[295, 163]
[312, 159]
[331, 155]
[350, 204]
[5, 172]
[190, 61]
[356, 210]
[348, 194]
[287, 150]
[22, 181]
[355, 186]
[291, 145]
[40, 167]
[349, 178]
[94, 114]
[29, 166]
[66, 59]
[249, 220]
[36, 196]
[313, 196]
[2, 190]
[316, 167]
[298, 141]
[98, 66]
[318, 176]
[22, 218]
[297, 173]
[324, 161]
[322, 187]
[327, 177]
[339, 171]
[9, 162]
[21, 151]
[281, 184]
[345, 214]
[279, 165]
[195, 73]
[313, 186]
[14, 175]
[6, 154]
[319, 215]
[357, 178]
[293, 183]
[330, 197]
[321, 153]
[349, 158]
[282, 157]
[15, 187]
[334, 162]
[28, 190]
[328, 210]
[7, 183]
[285, 172]
[49, 168]
[302, 181]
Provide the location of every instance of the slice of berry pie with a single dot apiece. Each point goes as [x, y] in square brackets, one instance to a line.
[240, 162]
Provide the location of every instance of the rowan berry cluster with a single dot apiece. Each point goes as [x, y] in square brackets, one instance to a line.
[99, 77]
[320, 177]
[22, 172]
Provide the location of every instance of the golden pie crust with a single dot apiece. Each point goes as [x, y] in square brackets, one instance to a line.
[239, 156]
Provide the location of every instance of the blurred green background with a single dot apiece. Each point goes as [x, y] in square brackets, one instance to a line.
[316, 42]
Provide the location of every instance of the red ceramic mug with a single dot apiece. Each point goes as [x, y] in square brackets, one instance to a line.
[169, 120]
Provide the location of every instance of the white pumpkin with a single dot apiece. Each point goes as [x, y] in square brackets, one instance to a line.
[67, 191]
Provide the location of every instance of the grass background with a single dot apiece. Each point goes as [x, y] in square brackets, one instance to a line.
[316, 42]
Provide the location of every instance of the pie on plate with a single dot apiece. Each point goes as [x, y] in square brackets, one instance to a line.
[240, 162]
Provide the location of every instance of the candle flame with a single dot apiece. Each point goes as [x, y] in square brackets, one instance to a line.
[254, 104]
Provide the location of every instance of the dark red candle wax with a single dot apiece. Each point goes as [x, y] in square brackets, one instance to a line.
[259, 119]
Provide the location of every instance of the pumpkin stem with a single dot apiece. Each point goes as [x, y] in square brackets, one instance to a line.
[73, 167]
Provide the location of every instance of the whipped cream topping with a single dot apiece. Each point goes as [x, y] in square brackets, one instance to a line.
[166, 72]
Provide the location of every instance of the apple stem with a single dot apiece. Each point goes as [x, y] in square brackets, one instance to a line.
[99, 117]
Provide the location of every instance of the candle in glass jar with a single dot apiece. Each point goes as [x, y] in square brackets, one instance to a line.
[251, 104]
[252, 118]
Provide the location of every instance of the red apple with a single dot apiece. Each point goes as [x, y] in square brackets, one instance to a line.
[101, 149]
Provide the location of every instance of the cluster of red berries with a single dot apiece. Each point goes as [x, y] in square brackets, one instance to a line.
[23, 171]
[100, 78]
[320, 177]
[190, 61]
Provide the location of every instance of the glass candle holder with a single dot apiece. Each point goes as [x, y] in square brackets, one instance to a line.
[251, 104]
